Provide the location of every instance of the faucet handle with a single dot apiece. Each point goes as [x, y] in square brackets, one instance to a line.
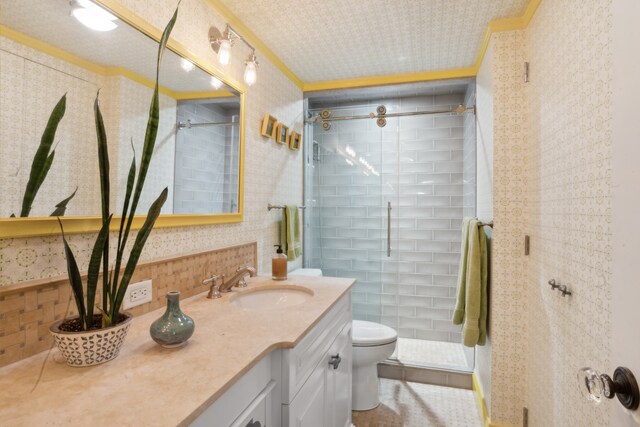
[212, 280]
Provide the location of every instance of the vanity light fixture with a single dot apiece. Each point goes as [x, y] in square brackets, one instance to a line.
[222, 42]
[250, 67]
[92, 15]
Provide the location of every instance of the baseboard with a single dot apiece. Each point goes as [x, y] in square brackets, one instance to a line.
[484, 413]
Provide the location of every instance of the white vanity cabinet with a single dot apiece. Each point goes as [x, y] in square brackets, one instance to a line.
[308, 385]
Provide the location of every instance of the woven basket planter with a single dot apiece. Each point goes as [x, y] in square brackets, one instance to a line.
[88, 348]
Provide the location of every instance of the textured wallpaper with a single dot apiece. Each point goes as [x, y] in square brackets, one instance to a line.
[507, 290]
[569, 215]
[273, 173]
[552, 180]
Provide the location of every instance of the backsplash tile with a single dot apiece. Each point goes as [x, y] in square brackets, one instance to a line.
[28, 309]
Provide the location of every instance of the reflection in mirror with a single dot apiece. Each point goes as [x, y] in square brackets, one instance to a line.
[46, 52]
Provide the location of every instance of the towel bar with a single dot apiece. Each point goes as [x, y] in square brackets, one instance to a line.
[485, 224]
[271, 206]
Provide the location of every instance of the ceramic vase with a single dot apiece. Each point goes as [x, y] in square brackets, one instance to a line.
[174, 328]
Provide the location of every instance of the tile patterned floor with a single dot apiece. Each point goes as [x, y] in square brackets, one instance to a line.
[429, 353]
[405, 404]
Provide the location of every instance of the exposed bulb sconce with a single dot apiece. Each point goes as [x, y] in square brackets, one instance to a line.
[250, 69]
[222, 42]
[92, 16]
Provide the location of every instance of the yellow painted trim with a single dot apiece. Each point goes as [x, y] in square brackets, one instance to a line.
[50, 50]
[252, 38]
[204, 95]
[390, 79]
[484, 413]
[509, 24]
[43, 226]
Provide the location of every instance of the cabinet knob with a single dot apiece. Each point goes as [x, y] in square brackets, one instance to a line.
[595, 386]
[335, 361]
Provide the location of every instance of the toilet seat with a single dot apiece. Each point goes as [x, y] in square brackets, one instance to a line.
[370, 334]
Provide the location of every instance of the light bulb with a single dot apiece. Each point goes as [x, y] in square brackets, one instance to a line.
[224, 53]
[92, 16]
[216, 83]
[186, 64]
[250, 73]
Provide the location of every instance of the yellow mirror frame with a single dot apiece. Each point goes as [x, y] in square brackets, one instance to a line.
[43, 226]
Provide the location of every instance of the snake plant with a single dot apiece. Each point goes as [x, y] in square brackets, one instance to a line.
[116, 281]
[42, 161]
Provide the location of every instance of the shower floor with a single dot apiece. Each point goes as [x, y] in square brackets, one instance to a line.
[430, 353]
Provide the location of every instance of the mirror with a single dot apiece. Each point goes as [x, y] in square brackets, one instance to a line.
[46, 51]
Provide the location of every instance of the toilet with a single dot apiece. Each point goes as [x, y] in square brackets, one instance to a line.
[372, 343]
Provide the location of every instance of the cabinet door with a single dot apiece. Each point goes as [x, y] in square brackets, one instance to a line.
[308, 409]
[338, 381]
[258, 413]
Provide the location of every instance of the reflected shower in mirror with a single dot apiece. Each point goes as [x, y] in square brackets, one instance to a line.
[46, 52]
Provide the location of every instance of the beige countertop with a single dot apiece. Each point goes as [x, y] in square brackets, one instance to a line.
[169, 386]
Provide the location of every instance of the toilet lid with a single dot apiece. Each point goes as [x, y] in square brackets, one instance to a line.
[368, 334]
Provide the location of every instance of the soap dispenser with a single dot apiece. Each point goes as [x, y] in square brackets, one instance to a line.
[279, 265]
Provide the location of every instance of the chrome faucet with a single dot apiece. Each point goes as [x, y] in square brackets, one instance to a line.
[237, 279]
[214, 290]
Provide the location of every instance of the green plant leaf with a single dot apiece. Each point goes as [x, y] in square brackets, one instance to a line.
[42, 159]
[152, 130]
[94, 266]
[61, 207]
[130, 181]
[151, 134]
[105, 191]
[136, 251]
[75, 280]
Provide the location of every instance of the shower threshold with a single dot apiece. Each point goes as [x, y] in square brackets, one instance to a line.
[431, 354]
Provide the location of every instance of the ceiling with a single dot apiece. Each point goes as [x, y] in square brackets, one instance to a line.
[347, 39]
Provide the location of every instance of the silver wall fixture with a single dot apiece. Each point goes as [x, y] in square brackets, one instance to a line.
[526, 72]
[562, 288]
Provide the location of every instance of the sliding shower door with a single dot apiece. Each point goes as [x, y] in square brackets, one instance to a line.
[423, 181]
[346, 216]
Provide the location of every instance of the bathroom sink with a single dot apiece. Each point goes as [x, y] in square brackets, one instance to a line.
[272, 297]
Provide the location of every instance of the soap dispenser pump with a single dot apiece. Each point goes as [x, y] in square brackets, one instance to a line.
[279, 265]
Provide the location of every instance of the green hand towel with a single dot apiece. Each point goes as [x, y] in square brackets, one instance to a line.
[471, 305]
[458, 314]
[290, 232]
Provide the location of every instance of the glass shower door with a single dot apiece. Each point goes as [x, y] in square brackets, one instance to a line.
[423, 179]
[347, 219]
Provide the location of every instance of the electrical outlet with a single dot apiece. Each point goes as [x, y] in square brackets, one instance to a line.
[137, 293]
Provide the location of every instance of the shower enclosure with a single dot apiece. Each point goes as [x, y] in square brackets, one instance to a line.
[385, 205]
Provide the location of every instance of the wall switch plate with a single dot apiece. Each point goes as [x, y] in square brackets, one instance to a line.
[137, 293]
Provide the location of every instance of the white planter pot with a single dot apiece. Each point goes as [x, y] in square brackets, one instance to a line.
[88, 348]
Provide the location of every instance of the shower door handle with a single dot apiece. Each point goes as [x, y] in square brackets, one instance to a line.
[388, 229]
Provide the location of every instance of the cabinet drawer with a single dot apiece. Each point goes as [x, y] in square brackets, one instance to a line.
[299, 362]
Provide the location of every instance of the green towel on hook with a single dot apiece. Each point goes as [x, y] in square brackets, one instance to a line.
[471, 304]
[290, 232]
